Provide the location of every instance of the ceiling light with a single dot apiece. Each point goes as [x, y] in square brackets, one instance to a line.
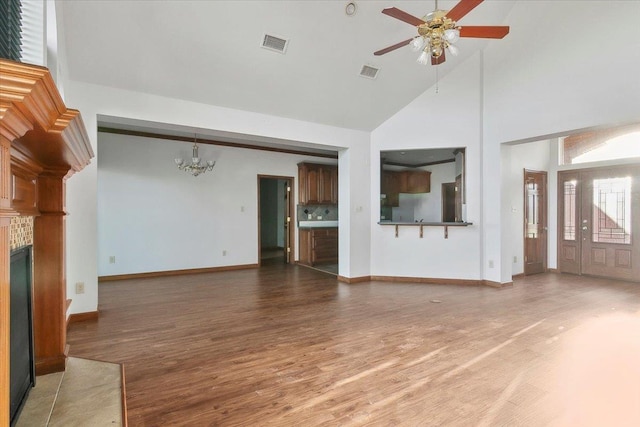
[452, 49]
[452, 35]
[424, 58]
[417, 43]
[195, 168]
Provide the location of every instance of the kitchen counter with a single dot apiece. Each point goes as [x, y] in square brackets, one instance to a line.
[318, 224]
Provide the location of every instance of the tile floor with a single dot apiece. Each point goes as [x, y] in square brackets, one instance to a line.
[87, 393]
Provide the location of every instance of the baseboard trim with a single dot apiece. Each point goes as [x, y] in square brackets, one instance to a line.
[553, 270]
[427, 280]
[82, 317]
[517, 276]
[350, 280]
[51, 365]
[497, 285]
[118, 277]
[437, 281]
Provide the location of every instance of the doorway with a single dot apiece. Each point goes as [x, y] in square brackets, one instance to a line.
[599, 212]
[535, 222]
[275, 231]
[449, 202]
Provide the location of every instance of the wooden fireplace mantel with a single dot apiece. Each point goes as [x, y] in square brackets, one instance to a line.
[42, 143]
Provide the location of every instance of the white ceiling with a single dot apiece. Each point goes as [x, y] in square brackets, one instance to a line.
[209, 52]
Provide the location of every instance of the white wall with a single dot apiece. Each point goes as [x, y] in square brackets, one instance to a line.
[154, 217]
[449, 118]
[532, 156]
[567, 77]
[527, 86]
[94, 100]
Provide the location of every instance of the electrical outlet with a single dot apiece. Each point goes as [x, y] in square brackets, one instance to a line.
[241, 208]
[515, 259]
[309, 216]
[224, 252]
[112, 259]
[80, 288]
[491, 263]
[319, 217]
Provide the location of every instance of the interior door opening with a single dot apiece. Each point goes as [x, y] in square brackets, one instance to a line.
[275, 226]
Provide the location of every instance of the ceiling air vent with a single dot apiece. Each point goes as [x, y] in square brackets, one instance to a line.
[369, 72]
[274, 43]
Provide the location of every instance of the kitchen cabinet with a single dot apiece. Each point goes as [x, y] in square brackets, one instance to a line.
[318, 245]
[317, 184]
[408, 181]
[416, 182]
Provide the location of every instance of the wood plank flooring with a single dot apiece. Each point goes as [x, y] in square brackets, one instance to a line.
[290, 346]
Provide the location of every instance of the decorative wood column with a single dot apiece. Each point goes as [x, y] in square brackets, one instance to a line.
[42, 143]
[49, 276]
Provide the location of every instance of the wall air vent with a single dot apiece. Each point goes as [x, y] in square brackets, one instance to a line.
[276, 44]
[369, 72]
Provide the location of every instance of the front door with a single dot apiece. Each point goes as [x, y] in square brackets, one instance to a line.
[600, 209]
[535, 222]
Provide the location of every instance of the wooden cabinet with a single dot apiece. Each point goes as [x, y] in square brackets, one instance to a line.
[318, 246]
[317, 184]
[408, 181]
[417, 182]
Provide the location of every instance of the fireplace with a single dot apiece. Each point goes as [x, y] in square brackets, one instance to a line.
[21, 334]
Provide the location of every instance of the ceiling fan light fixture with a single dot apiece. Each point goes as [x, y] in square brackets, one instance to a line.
[453, 49]
[417, 43]
[424, 58]
[452, 35]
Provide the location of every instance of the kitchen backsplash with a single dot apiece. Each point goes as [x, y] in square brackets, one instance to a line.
[318, 213]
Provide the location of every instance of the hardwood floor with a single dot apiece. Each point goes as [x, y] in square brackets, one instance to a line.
[290, 346]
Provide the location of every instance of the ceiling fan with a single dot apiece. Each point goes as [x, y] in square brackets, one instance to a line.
[438, 31]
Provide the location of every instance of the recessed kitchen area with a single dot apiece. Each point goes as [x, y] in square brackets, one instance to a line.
[317, 214]
[422, 186]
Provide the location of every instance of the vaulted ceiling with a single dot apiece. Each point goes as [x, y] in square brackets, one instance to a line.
[210, 52]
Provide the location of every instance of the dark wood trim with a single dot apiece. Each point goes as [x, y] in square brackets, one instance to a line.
[553, 270]
[437, 281]
[168, 273]
[157, 135]
[427, 280]
[517, 276]
[543, 218]
[497, 285]
[50, 365]
[352, 280]
[419, 165]
[82, 317]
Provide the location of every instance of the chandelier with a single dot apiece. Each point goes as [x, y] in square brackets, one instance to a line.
[195, 168]
[435, 35]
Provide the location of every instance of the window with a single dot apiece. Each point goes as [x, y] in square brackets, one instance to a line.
[22, 31]
[608, 144]
[10, 24]
[612, 210]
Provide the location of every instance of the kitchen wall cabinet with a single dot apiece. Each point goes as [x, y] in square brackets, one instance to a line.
[408, 181]
[318, 246]
[317, 184]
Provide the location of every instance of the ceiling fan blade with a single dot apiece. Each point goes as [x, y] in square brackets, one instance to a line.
[394, 12]
[484, 32]
[462, 8]
[391, 48]
[439, 60]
